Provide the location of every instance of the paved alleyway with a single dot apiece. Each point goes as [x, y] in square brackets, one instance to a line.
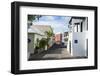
[57, 51]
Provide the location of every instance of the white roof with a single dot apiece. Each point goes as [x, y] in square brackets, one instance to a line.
[35, 30]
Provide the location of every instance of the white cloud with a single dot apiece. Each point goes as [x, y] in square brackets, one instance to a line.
[47, 18]
[59, 25]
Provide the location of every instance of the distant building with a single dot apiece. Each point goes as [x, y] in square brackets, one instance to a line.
[58, 38]
[78, 36]
[65, 38]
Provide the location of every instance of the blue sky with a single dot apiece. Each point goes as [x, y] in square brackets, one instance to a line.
[58, 23]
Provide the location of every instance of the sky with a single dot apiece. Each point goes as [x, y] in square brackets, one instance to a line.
[58, 23]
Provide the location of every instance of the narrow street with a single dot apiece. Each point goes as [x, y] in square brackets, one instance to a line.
[57, 51]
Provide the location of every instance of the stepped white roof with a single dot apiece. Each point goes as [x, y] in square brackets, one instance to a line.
[35, 30]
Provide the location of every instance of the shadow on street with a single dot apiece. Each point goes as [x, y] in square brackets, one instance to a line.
[57, 51]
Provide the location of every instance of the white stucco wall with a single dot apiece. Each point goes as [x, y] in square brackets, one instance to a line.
[79, 49]
[85, 25]
[30, 44]
[37, 36]
[69, 40]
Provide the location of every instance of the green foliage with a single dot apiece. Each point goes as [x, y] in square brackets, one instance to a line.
[33, 17]
[49, 34]
[42, 43]
[37, 44]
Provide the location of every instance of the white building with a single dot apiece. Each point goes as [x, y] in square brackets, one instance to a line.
[33, 35]
[65, 38]
[37, 32]
[78, 37]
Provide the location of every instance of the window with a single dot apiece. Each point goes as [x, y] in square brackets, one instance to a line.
[75, 41]
[29, 40]
[81, 27]
[77, 27]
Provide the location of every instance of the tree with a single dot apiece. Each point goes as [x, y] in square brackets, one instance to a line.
[42, 43]
[31, 18]
[49, 34]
